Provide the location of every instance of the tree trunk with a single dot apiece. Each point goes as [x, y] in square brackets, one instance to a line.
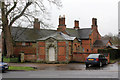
[8, 41]
[4, 50]
[7, 38]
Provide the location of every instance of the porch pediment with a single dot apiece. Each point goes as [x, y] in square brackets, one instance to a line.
[57, 36]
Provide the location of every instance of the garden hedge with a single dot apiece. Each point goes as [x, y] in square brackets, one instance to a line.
[114, 53]
[10, 59]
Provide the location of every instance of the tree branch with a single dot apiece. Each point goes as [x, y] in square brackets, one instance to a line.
[15, 4]
[18, 16]
[42, 8]
[28, 18]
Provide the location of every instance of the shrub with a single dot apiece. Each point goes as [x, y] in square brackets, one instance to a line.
[114, 53]
[10, 59]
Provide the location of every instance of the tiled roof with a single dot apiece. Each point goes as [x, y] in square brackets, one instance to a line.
[100, 43]
[27, 34]
[30, 34]
[80, 33]
[84, 33]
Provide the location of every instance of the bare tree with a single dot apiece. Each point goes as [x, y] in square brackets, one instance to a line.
[16, 11]
[113, 38]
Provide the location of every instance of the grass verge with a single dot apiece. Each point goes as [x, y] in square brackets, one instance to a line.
[113, 61]
[21, 68]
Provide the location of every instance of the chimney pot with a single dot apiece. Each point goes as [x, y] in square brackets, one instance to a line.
[36, 24]
[60, 16]
[94, 21]
[63, 16]
[76, 23]
[61, 20]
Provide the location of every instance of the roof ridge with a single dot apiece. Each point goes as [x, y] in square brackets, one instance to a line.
[78, 29]
[84, 28]
[32, 28]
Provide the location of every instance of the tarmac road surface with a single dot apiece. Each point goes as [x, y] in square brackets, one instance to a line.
[109, 71]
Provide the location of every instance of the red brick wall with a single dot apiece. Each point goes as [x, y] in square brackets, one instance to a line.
[62, 51]
[82, 57]
[76, 46]
[95, 35]
[41, 51]
[70, 51]
[61, 58]
[79, 57]
[30, 57]
[18, 50]
[29, 51]
[86, 46]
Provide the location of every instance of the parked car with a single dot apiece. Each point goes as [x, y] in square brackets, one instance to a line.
[96, 59]
[3, 66]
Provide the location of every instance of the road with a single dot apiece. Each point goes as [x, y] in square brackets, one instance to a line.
[109, 71]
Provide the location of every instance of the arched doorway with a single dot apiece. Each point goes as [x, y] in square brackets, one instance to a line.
[51, 54]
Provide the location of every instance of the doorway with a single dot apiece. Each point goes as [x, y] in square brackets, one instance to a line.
[51, 54]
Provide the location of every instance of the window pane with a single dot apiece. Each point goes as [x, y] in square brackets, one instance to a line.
[93, 56]
[23, 44]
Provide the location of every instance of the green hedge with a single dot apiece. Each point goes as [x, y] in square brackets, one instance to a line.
[114, 53]
[10, 59]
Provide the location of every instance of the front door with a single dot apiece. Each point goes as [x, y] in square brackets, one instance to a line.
[51, 54]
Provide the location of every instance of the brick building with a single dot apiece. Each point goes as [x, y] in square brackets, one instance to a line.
[57, 45]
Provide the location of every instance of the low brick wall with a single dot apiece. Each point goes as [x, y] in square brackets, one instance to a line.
[30, 57]
[80, 57]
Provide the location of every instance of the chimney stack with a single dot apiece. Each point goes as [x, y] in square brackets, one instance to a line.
[76, 23]
[62, 26]
[62, 20]
[36, 24]
[94, 23]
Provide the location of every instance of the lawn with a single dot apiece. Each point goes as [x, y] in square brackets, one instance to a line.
[21, 68]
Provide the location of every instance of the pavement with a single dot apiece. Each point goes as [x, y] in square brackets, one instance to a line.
[71, 66]
[73, 70]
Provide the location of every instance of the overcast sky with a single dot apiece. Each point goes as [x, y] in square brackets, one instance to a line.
[106, 12]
